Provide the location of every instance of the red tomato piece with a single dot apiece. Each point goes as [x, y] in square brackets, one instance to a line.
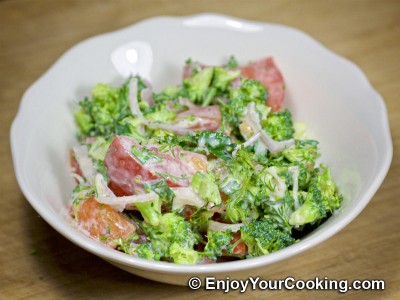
[127, 174]
[102, 222]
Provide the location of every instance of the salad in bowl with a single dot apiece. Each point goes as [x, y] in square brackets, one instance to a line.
[210, 170]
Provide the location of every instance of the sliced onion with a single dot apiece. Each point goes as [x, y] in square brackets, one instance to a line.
[106, 196]
[147, 93]
[85, 163]
[186, 196]
[133, 100]
[218, 209]
[252, 117]
[273, 146]
[78, 178]
[217, 226]
[249, 142]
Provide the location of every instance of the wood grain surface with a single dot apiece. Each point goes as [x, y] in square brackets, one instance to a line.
[38, 263]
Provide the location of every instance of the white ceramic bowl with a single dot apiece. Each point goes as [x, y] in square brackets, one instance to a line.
[329, 93]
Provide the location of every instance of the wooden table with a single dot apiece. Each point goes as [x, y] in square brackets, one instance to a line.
[37, 262]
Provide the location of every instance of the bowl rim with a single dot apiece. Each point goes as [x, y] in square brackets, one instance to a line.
[53, 218]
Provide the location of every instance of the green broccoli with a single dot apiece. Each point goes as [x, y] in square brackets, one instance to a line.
[183, 255]
[305, 153]
[263, 237]
[222, 78]
[160, 113]
[101, 115]
[205, 186]
[322, 197]
[130, 127]
[148, 251]
[217, 241]
[200, 219]
[161, 188]
[150, 211]
[279, 210]
[98, 149]
[206, 142]
[231, 63]
[198, 85]
[279, 125]
[240, 205]
[172, 239]
[234, 110]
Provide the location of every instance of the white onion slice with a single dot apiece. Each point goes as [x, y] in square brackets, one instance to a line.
[273, 146]
[217, 226]
[133, 100]
[106, 196]
[186, 196]
[85, 163]
[247, 143]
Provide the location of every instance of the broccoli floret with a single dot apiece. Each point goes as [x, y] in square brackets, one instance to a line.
[83, 118]
[273, 180]
[279, 210]
[305, 152]
[205, 85]
[240, 205]
[147, 251]
[160, 113]
[98, 149]
[183, 255]
[207, 142]
[130, 127]
[101, 115]
[251, 90]
[172, 238]
[263, 237]
[322, 197]
[216, 143]
[125, 245]
[200, 220]
[161, 188]
[205, 186]
[217, 242]
[231, 63]
[222, 78]
[170, 93]
[233, 111]
[150, 211]
[197, 85]
[279, 125]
